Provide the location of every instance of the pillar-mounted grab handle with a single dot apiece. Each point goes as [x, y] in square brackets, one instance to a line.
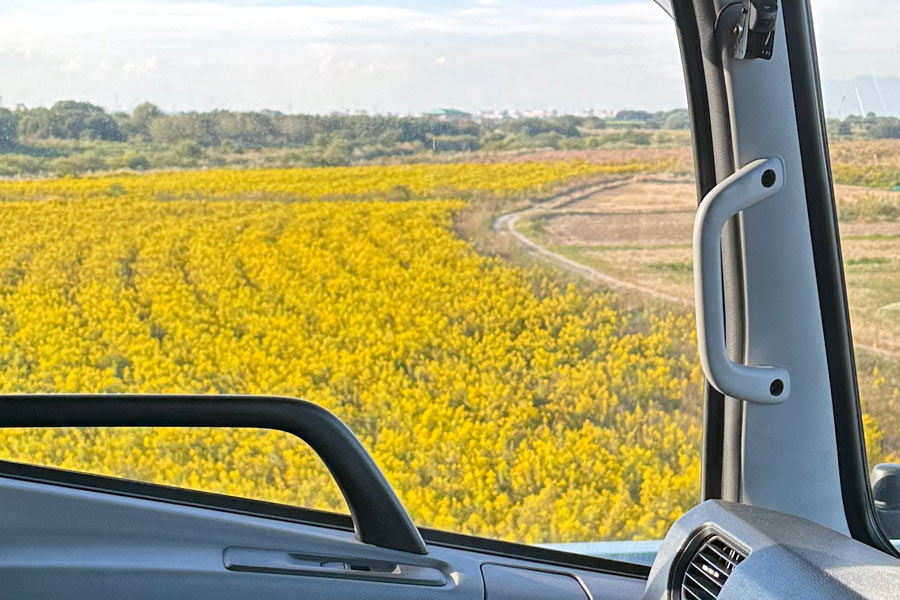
[753, 183]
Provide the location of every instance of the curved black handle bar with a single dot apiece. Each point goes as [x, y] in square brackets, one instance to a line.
[378, 516]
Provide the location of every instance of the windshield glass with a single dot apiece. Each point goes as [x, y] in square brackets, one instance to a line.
[464, 227]
[861, 87]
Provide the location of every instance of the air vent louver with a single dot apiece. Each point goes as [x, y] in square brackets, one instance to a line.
[709, 569]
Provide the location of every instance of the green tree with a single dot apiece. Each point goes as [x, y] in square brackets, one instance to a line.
[633, 115]
[9, 125]
[69, 119]
[33, 123]
[677, 119]
[142, 115]
[247, 129]
[171, 129]
[883, 127]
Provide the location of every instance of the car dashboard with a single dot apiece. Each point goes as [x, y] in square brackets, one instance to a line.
[726, 551]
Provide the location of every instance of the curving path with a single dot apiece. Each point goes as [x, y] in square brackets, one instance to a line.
[506, 224]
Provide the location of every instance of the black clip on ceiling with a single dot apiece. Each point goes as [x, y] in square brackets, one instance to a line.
[754, 33]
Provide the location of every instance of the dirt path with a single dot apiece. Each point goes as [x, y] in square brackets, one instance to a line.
[506, 224]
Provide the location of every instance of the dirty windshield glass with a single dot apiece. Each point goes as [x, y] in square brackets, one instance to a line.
[861, 89]
[463, 227]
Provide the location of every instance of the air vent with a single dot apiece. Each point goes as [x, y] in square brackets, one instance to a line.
[709, 569]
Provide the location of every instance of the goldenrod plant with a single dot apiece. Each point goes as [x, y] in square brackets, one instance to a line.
[498, 401]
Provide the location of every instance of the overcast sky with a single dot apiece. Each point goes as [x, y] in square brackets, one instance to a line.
[398, 56]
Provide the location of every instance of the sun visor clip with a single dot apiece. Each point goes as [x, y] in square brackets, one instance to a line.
[754, 33]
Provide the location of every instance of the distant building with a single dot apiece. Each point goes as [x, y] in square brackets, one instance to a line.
[540, 113]
[493, 115]
[448, 114]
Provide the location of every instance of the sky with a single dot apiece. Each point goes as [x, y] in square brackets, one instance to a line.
[399, 56]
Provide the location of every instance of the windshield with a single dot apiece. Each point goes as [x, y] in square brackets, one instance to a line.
[861, 90]
[462, 227]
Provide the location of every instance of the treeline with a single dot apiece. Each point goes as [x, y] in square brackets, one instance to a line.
[77, 137]
[870, 126]
[340, 138]
[71, 120]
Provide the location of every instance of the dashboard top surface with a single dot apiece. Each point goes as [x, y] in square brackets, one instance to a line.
[788, 557]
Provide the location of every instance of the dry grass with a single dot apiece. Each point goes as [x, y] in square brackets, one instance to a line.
[642, 195]
[857, 203]
[870, 153]
[639, 231]
[677, 160]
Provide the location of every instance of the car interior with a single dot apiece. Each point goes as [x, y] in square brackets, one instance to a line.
[786, 506]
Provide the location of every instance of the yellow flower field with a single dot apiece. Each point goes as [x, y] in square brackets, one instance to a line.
[497, 402]
[316, 183]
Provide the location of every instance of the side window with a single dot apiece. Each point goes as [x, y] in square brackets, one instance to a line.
[860, 92]
[465, 229]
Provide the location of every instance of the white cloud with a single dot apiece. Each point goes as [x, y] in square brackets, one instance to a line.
[203, 55]
[75, 63]
[854, 37]
[479, 11]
